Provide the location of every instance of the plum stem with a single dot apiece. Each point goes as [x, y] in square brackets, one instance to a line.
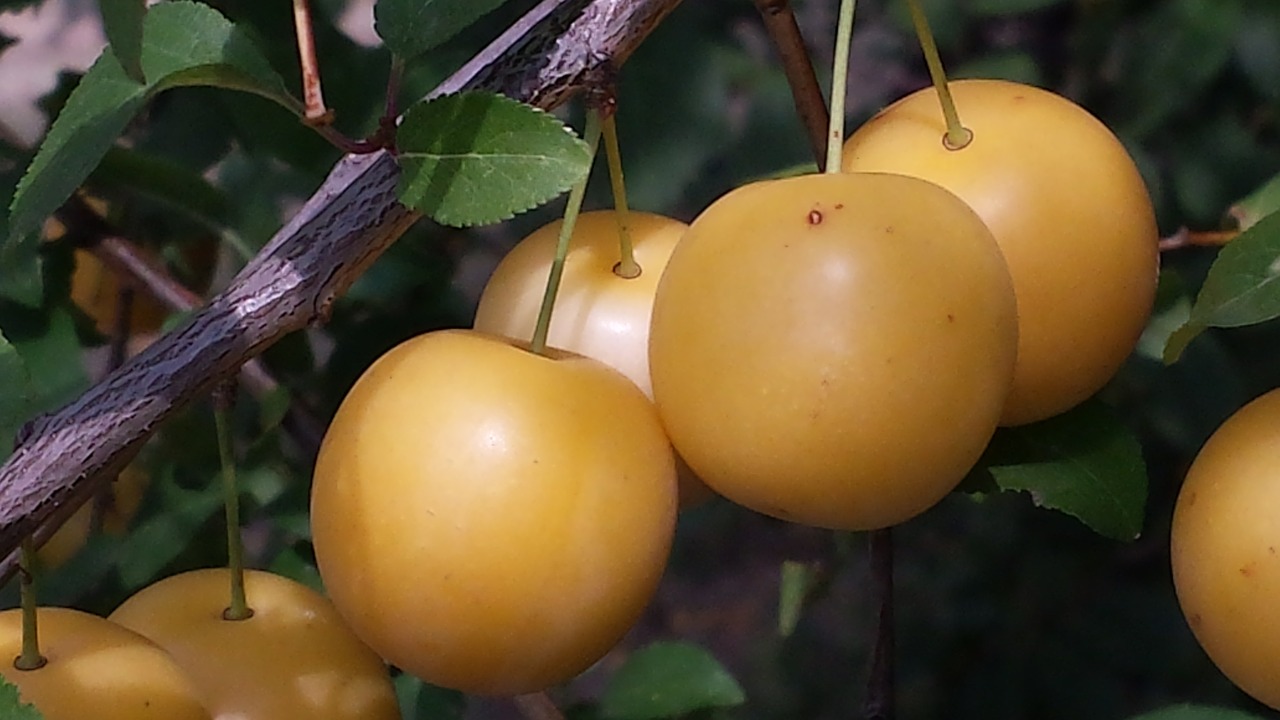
[957, 136]
[839, 86]
[571, 210]
[627, 267]
[30, 659]
[239, 608]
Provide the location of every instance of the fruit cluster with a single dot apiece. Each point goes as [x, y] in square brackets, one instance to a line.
[835, 350]
[169, 653]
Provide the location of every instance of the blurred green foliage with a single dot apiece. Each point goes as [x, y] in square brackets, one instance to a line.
[1004, 611]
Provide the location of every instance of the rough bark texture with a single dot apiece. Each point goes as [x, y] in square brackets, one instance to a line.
[61, 458]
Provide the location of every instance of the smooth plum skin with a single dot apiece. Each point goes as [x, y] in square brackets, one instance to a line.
[834, 350]
[1070, 211]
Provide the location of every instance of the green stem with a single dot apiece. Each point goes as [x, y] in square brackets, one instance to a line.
[571, 210]
[839, 86]
[30, 659]
[958, 136]
[239, 607]
[627, 267]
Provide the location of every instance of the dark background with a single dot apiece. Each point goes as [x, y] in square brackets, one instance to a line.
[1003, 610]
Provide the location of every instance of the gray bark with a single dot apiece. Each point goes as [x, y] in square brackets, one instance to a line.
[62, 458]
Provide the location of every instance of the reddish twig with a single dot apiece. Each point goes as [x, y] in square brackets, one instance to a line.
[780, 21]
[316, 114]
[63, 457]
[1186, 237]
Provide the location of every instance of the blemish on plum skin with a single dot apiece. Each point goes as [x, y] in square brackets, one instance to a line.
[1195, 620]
[839, 206]
[1249, 569]
[951, 318]
[815, 217]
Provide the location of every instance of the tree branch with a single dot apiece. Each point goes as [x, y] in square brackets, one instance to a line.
[346, 225]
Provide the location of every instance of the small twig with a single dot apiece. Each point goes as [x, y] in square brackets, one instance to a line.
[537, 706]
[880, 685]
[781, 23]
[122, 327]
[387, 123]
[316, 114]
[349, 221]
[1186, 237]
[127, 261]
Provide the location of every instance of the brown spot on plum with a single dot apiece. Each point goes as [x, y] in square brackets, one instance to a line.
[1249, 569]
[815, 217]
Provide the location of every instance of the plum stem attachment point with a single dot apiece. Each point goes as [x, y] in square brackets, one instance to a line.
[315, 113]
[957, 136]
[223, 396]
[30, 659]
[571, 210]
[627, 267]
[839, 86]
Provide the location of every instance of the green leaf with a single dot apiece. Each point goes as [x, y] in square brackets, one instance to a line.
[1084, 463]
[1195, 712]
[478, 158]
[11, 705]
[183, 43]
[797, 581]
[156, 542]
[187, 43]
[1177, 51]
[122, 23]
[669, 679]
[1240, 289]
[20, 269]
[157, 178]
[15, 395]
[1257, 205]
[96, 112]
[412, 27]
[50, 351]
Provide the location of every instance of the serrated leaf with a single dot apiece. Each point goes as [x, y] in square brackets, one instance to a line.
[1242, 287]
[11, 705]
[477, 158]
[122, 24]
[96, 112]
[1084, 463]
[1195, 712]
[669, 679]
[412, 27]
[1258, 204]
[183, 43]
[188, 43]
